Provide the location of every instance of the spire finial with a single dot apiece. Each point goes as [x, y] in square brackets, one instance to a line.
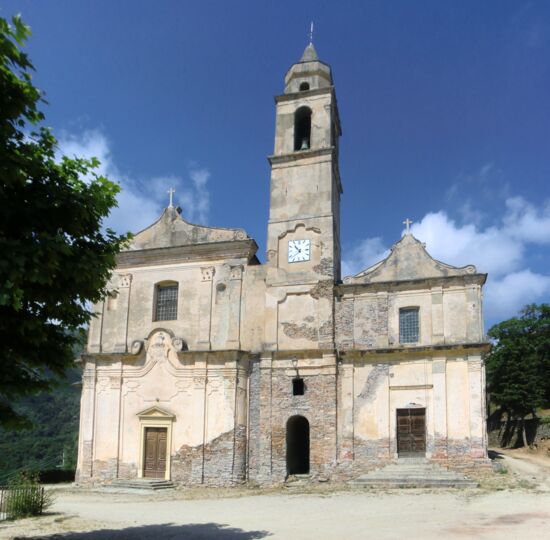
[171, 192]
[407, 224]
[311, 33]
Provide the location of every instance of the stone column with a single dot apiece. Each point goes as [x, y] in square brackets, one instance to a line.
[345, 414]
[123, 312]
[235, 300]
[265, 452]
[477, 406]
[439, 381]
[437, 316]
[87, 421]
[205, 308]
[96, 325]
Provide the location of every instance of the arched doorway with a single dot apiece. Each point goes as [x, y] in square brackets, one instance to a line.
[297, 445]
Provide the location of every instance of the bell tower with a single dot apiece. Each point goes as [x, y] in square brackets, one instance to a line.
[304, 221]
[303, 240]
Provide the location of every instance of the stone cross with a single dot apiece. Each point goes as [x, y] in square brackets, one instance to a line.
[171, 191]
[407, 223]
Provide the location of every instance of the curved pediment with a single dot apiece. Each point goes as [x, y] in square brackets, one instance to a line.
[172, 230]
[408, 260]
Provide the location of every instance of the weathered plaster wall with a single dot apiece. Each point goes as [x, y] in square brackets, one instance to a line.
[369, 319]
[203, 394]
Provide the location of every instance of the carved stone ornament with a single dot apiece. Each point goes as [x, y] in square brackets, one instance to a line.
[136, 346]
[207, 273]
[179, 344]
[236, 272]
[158, 346]
[124, 280]
[240, 235]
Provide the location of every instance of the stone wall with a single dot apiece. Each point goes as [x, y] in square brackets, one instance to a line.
[274, 404]
[221, 462]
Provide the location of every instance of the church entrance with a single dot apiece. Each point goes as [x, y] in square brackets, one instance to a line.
[155, 452]
[297, 445]
[411, 432]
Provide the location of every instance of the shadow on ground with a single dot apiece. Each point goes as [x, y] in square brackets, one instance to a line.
[165, 531]
[493, 454]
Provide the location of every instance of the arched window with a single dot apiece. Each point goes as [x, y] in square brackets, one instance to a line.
[302, 128]
[166, 301]
[304, 86]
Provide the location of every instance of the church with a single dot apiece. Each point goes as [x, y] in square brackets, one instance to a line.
[204, 366]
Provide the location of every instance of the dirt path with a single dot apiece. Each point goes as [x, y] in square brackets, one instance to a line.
[351, 515]
[526, 465]
[513, 504]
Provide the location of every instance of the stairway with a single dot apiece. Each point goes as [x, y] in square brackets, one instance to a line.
[413, 472]
[142, 483]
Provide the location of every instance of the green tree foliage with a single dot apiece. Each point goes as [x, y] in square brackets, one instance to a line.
[518, 366]
[55, 257]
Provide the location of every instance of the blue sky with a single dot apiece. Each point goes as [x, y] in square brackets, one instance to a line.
[445, 109]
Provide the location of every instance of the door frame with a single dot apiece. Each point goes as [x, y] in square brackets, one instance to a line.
[416, 408]
[155, 417]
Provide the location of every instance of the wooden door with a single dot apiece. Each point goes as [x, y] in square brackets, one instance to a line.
[155, 453]
[411, 432]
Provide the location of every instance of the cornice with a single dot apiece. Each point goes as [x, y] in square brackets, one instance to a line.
[232, 249]
[305, 93]
[302, 154]
[419, 351]
[408, 284]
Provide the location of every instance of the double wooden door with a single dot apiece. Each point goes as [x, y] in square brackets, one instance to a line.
[155, 452]
[411, 432]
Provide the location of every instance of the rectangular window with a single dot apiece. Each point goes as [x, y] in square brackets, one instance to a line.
[298, 387]
[167, 303]
[408, 325]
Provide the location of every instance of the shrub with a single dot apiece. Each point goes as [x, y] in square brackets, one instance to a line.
[24, 497]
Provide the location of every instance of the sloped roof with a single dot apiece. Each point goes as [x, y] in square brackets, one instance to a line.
[172, 230]
[408, 260]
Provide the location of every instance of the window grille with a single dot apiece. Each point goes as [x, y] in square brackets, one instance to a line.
[167, 303]
[408, 325]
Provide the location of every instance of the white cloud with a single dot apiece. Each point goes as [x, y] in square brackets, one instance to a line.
[140, 202]
[491, 249]
[498, 250]
[526, 222]
[505, 297]
[363, 255]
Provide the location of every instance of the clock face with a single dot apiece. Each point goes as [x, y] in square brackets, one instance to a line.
[299, 250]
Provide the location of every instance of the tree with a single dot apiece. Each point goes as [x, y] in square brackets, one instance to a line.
[518, 366]
[55, 256]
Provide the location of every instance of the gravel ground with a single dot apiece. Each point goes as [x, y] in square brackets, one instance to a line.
[515, 504]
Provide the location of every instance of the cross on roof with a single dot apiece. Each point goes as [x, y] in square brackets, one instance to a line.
[171, 191]
[311, 32]
[407, 224]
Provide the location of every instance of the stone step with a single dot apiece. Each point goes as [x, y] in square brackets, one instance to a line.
[138, 483]
[414, 483]
[419, 473]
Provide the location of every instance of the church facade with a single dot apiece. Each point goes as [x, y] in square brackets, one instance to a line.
[204, 366]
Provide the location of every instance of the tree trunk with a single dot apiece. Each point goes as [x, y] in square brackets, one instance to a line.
[523, 432]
